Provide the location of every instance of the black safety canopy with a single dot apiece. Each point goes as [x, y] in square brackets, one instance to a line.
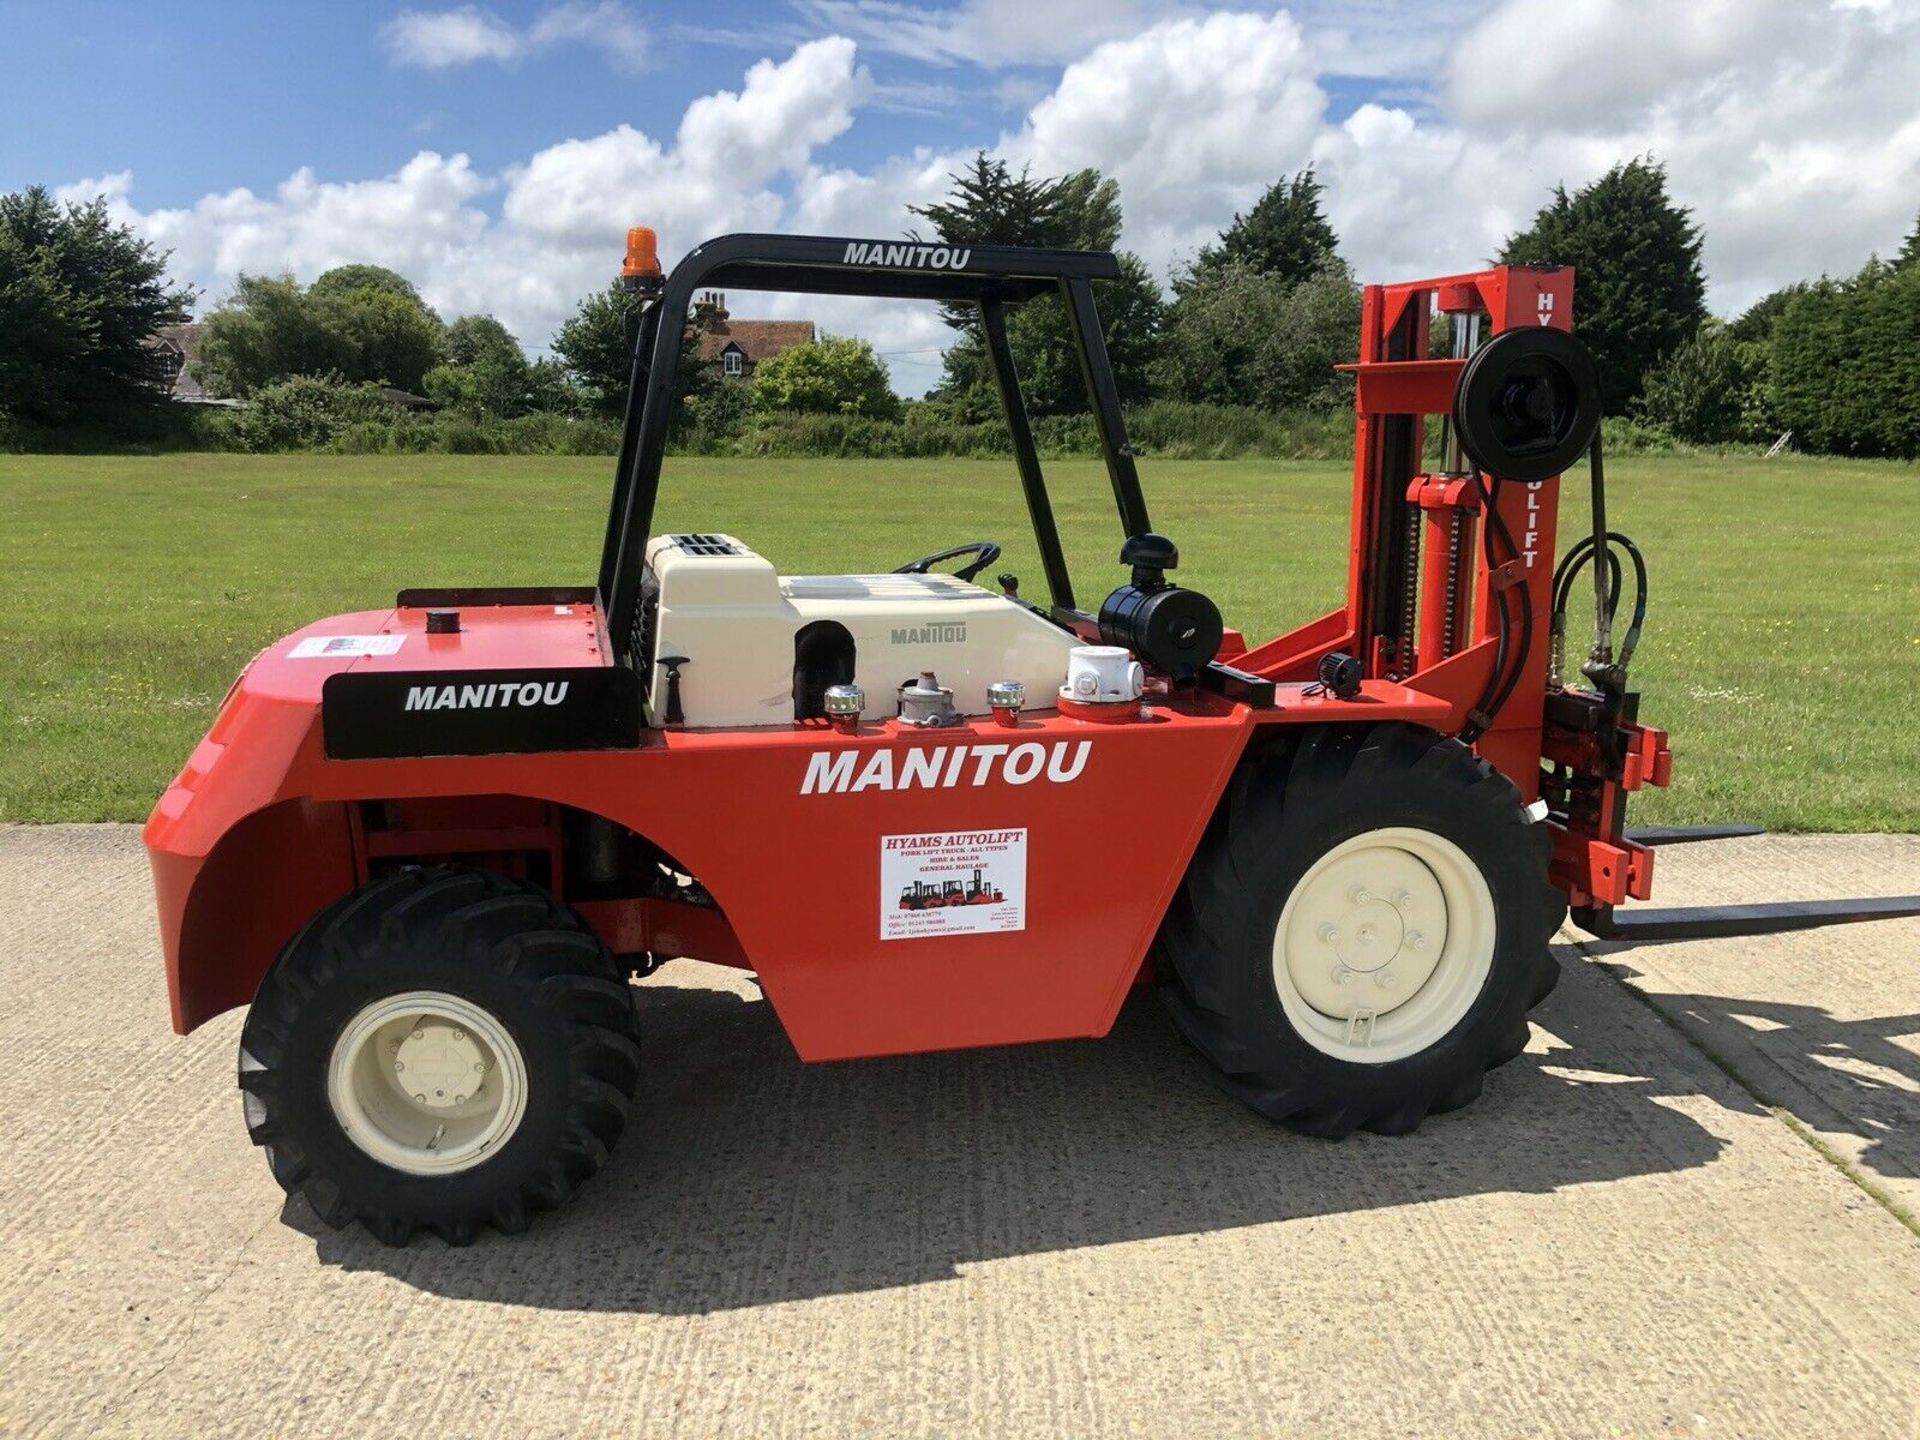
[989, 277]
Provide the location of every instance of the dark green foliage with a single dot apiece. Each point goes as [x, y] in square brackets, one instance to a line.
[989, 204]
[272, 329]
[1846, 363]
[394, 340]
[1284, 234]
[596, 346]
[344, 280]
[826, 377]
[306, 412]
[1909, 255]
[1756, 321]
[1706, 390]
[79, 298]
[1638, 288]
[487, 374]
[1237, 336]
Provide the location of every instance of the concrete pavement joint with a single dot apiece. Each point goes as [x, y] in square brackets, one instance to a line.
[1760, 1097]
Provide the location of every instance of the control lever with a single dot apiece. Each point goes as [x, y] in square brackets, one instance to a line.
[675, 715]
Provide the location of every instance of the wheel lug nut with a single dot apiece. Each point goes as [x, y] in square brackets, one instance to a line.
[1359, 895]
[1416, 941]
[399, 1064]
[479, 1067]
[1385, 980]
[418, 1034]
[459, 1034]
[1329, 934]
[1342, 975]
[459, 1099]
[1401, 899]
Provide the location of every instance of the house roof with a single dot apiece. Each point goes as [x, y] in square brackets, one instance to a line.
[757, 339]
[183, 340]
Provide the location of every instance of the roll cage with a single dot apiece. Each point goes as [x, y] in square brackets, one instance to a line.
[988, 277]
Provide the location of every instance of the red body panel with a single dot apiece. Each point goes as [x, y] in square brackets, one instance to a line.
[253, 838]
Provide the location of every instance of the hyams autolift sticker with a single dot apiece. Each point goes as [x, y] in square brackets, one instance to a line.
[952, 882]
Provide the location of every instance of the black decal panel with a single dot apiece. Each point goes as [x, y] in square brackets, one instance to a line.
[387, 715]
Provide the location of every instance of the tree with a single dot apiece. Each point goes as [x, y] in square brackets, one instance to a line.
[596, 346]
[266, 331]
[343, 280]
[271, 328]
[80, 296]
[1757, 320]
[473, 339]
[1704, 390]
[1284, 234]
[1845, 363]
[1239, 336]
[1638, 288]
[395, 340]
[989, 204]
[1909, 255]
[826, 377]
[487, 374]
[45, 329]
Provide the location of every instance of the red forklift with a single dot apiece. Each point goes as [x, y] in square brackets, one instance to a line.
[430, 844]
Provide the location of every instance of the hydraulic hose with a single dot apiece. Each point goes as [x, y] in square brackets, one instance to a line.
[1505, 677]
[1566, 575]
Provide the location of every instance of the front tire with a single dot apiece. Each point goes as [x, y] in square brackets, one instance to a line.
[1363, 930]
[443, 1049]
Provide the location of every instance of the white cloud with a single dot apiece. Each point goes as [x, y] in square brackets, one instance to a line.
[1194, 118]
[1794, 134]
[466, 35]
[984, 32]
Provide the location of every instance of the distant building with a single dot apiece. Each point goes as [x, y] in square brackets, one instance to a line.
[737, 347]
[179, 347]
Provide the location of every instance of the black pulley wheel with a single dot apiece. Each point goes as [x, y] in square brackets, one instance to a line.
[1528, 404]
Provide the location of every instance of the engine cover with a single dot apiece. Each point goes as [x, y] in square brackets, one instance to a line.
[735, 619]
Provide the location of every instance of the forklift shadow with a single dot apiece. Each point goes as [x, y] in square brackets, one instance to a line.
[1857, 1077]
[746, 1178]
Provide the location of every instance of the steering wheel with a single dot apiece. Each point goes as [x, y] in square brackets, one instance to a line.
[987, 550]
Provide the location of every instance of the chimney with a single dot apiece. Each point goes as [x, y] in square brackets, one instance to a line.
[710, 313]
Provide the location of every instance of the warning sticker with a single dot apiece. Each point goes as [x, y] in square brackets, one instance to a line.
[345, 647]
[952, 882]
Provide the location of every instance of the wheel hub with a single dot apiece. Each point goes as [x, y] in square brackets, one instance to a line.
[439, 1064]
[427, 1082]
[1366, 931]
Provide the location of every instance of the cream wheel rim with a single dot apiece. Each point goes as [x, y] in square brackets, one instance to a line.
[427, 1083]
[1384, 945]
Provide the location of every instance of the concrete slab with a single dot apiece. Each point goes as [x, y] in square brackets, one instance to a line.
[1071, 1239]
[1823, 1023]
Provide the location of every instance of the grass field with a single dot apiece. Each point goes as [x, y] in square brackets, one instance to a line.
[1782, 650]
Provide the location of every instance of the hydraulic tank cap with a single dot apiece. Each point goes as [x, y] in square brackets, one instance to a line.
[1006, 698]
[926, 702]
[843, 704]
[1104, 682]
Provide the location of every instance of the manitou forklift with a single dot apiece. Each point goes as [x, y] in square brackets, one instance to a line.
[431, 844]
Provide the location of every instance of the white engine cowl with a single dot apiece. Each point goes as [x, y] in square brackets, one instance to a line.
[725, 609]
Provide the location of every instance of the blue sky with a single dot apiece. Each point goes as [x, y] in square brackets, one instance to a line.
[495, 153]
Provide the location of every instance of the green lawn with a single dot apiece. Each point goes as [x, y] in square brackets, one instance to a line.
[1782, 651]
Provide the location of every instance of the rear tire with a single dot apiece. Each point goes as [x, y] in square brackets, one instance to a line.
[442, 1050]
[1363, 930]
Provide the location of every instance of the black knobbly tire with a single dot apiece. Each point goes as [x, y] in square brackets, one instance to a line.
[526, 965]
[1292, 810]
